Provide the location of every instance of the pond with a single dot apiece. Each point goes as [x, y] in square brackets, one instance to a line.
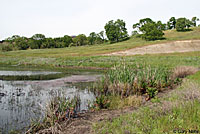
[24, 93]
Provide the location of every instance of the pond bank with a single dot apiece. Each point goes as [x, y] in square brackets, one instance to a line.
[23, 100]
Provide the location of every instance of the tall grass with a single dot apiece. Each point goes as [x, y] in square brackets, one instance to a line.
[138, 79]
[125, 80]
[57, 110]
[176, 111]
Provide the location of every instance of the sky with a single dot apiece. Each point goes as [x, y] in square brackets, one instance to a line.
[56, 18]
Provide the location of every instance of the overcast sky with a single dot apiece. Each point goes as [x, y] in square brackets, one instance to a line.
[55, 18]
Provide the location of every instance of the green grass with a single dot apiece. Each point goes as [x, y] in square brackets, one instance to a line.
[195, 77]
[148, 121]
[89, 56]
[189, 59]
[103, 48]
[177, 111]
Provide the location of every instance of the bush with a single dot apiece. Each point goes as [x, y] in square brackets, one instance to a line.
[7, 47]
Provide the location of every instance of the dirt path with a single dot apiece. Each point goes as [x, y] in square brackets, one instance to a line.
[171, 47]
[83, 124]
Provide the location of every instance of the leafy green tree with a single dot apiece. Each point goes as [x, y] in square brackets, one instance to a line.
[80, 40]
[194, 21]
[38, 37]
[37, 41]
[67, 40]
[181, 24]
[12, 39]
[171, 24]
[141, 23]
[111, 31]
[188, 23]
[49, 43]
[116, 31]
[22, 43]
[59, 43]
[161, 26]
[150, 29]
[92, 38]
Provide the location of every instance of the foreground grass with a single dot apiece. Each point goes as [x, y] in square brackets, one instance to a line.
[180, 119]
[178, 111]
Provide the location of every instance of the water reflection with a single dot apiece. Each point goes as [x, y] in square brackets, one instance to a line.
[25, 73]
[21, 101]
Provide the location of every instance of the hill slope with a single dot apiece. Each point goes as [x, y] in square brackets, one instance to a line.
[171, 47]
[134, 42]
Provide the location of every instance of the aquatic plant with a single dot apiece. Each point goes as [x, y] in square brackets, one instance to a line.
[138, 79]
[57, 110]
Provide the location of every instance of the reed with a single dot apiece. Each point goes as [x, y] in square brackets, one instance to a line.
[138, 79]
[57, 110]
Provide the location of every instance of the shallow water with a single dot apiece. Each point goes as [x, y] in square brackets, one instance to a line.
[21, 101]
[25, 73]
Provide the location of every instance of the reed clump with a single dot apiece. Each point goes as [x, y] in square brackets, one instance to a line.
[57, 110]
[128, 80]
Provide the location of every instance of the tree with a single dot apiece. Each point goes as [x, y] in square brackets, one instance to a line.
[116, 31]
[22, 43]
[80, 40]
[171, 24]
[59, 43]
[161, 26]
[12, 39]
[67, 40]
[141, 23]
[150, 29]
[49, 43]
[92, 38]
[181, 24]
[38, 39]
[188, 23]
[194, 21]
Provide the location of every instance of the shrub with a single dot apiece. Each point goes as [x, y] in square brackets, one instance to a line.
[7, 47]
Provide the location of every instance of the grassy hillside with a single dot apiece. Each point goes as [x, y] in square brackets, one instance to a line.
[104, 48]
[90, 56]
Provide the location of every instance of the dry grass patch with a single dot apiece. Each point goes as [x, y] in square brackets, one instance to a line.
[183, 71]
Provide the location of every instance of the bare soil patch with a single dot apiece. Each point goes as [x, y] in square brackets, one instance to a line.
[171, 47]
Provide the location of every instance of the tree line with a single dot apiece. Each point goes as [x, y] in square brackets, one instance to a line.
[115, 31]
